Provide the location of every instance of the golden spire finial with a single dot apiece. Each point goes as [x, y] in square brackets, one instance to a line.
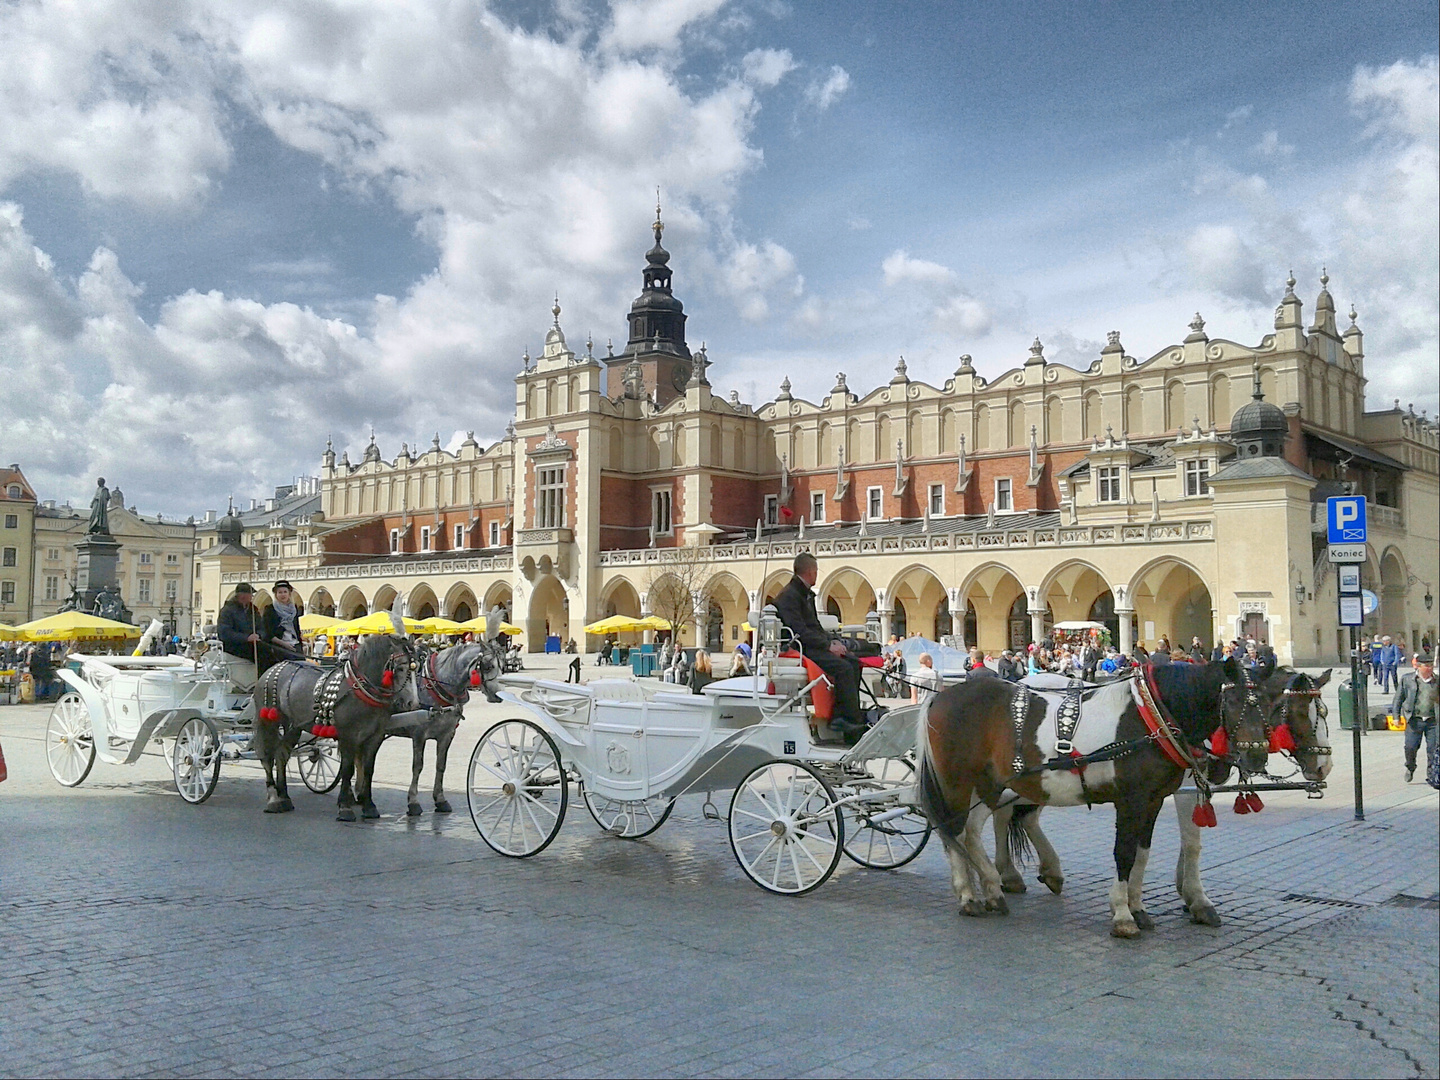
[659, 225]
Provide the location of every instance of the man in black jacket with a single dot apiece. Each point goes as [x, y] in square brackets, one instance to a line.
[240, 628]
[796, 607]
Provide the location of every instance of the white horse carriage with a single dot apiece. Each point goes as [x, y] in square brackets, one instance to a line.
[119, 707]
[801, 798]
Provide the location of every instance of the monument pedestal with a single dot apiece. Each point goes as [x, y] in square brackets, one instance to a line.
[95, 574]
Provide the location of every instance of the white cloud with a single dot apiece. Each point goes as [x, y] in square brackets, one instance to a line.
[766, 67]
[1221, 261]
[1270, 146]
[756, 274]
[637, 25]
[953, 311]
[822, 93]
[899, 267]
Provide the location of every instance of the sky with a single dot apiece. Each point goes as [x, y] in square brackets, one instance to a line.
[230, 231]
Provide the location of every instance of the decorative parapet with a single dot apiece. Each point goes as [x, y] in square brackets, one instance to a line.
[985, 540]
[487, 564]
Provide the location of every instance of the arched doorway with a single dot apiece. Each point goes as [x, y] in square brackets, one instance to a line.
[917, 597]
[1171, 600]
[850, 593]
[994, 595]
[460, 603]
[972, 626]
[1103, 611]
[944, 624]
[500, 595]
[1392, 598]
[352, 604]
[420, 603]
[321, 603]
[549, 613]
[715, 628]
[1017, 624]
[899, 624]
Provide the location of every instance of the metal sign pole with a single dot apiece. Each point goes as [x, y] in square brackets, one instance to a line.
[1358, 720]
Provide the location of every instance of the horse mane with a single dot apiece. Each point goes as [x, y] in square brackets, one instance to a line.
[1191, 693]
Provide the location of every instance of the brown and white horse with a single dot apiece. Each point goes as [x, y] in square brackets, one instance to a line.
[985, 737]
[1285, 698]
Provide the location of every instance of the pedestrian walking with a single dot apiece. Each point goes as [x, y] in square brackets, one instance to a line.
[1415, 701]
[925, 682]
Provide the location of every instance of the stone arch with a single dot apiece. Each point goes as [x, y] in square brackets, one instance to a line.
[1220, 405]
[1072, 590]
[919, 592]
[1171, 598]
[549, 613]
[948, 444]
[884, 440]
[850, 592]
[353, 604]
[500, 595]
[620, 598]
[460, 596]
[1393, 578]
[677, 444]
[825, 446]
[1054, 420]
[774, 582]
[617, 447]
[1174, 405]
[728, 606]
[321, 602]
[982, 428]
[1016, 434]
[1134, 418]
[421, 602]
[1092, 418]
[991, 591]
[1270, 385]
[384, 598]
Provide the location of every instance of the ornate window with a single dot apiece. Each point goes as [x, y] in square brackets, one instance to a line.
[394, 541]
[172, 591]
[459, 538]
[550, 497]
[1107, 483]
[494, 534]
[772, 509]
[1003, 500]
[143, 590]
[1197, 477]
[937, 500]
[817, 507]
[660, 520]
[874, 504]
[52, 587]
[144, 558]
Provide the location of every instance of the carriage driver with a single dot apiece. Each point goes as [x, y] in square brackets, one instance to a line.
[796, 607]
[239, 628]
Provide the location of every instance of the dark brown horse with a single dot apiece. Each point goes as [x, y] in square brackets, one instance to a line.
[1254, 711]
[1127, 744]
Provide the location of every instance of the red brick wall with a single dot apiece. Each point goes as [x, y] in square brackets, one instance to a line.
[736, 502]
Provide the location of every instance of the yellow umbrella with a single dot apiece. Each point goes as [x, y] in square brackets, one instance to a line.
[74, 624]
[7, 632]
[436, 625]
[310, 624]
[615, 624]
[653, 622]
[477, 626]
[377, 622]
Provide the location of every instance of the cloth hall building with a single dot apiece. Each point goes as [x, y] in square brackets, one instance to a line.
[1181, 494]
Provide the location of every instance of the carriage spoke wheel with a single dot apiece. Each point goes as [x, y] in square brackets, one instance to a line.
[785, 829]
[628, 819]
[895, 841]
[319, 765]
[195, 760]
[517, 789]
[69, 741]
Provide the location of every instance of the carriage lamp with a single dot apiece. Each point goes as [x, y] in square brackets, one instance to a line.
[770, 630]
[1300, 592]
[1429, 600]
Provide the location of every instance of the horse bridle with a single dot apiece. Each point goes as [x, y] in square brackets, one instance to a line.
[1252, 705]
[429, 675]
[382, 695]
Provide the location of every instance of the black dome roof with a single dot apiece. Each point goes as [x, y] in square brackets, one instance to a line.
[1257, 416]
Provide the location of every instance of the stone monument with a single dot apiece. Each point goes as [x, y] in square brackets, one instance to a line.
[98, 552]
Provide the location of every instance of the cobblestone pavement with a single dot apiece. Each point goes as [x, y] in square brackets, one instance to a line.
[141, 936]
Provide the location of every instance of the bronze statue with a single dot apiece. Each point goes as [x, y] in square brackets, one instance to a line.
[100, 510]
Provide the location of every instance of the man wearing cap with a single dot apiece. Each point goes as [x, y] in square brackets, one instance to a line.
[282, 625]
[240, 628]
[796, 607]
[1416, 703]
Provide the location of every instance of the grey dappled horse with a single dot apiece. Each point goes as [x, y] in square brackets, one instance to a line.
[443, 683]
[365, 687]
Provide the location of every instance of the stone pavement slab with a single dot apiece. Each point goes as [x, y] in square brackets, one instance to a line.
[143, 936]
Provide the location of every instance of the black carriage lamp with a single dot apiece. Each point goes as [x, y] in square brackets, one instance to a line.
[1299, 592]
[1429, 600]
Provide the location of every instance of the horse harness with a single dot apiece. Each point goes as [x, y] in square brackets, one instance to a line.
[431, 684]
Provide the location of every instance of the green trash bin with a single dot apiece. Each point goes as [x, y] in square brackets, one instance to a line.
[1347, 711]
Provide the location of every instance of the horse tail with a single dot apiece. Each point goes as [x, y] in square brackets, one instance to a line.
[930, 794]
[1021, 849]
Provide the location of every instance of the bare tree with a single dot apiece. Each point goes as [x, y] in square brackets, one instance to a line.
[676, 587]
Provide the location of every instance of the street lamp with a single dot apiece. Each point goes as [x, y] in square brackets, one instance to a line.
[1429, 600]
[1300, 592]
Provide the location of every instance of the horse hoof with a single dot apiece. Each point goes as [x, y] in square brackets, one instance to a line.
[997, 905]
[1143, 920]
[1124, 930]
[413, 810]
[1206, 916]
[345, 815]
[442, 806]
[274, 808]
[1013, 885]
[370, 813]
[286, 805]
[972, 908]
[1053, 882]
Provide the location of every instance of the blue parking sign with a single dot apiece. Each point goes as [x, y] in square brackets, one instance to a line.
[1345, 519]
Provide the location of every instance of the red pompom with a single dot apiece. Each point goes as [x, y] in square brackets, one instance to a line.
[388, 679]
[317, 730]
[269, 715]
[1198, 815]
[1252, 800]
[1241, 805]
[474, 678]
[1210, 815]
[1219, 742]
[786, 512]
[1281, 739]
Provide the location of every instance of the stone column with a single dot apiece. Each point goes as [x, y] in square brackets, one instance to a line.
[1037, 625]
[1127, 632]
[886, 625]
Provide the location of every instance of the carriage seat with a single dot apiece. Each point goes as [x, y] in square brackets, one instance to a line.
[617, 690]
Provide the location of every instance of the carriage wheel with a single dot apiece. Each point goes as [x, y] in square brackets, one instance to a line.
[629, 820]
[69, 741]
[785, 829]
[517, 789]
[195, 760]
[319, 765]
[889, 844]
